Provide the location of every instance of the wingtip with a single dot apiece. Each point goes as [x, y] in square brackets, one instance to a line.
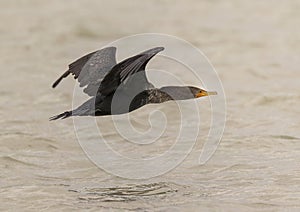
[60, 78]
[154, 50]
[158, 49]
[54, 84]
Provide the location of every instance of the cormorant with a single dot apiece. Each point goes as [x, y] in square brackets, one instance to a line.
[117, 88]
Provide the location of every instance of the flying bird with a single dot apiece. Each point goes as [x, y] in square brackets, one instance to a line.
[118, 88]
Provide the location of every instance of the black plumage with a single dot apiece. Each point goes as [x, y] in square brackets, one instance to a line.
[117, 88]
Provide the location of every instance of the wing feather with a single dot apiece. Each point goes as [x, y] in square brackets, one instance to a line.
[90, 69]
[123, 70]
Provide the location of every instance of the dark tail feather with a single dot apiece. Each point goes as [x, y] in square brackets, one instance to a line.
[61, 116]
[60, 78]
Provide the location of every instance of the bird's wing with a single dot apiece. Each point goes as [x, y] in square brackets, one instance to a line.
[123, 70]
[91, 69]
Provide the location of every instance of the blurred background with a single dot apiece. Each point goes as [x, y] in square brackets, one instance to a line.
[254, 46]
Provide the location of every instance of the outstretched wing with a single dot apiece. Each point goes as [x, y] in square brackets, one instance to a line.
[123, 70]
[91, 69]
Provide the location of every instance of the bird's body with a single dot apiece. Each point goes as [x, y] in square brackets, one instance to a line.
[117, 88]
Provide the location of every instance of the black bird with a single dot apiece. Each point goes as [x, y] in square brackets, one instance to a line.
[117, 88]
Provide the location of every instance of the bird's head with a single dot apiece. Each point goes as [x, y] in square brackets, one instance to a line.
[185, 92]
[198, 92]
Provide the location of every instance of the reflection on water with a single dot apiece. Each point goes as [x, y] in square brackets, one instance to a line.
[127, 193]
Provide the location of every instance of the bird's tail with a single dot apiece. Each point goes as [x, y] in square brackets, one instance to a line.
[61, 116]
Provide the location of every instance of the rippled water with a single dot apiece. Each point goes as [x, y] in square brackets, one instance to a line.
[254, 47]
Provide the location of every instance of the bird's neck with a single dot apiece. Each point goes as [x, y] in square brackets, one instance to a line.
[158, 96]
